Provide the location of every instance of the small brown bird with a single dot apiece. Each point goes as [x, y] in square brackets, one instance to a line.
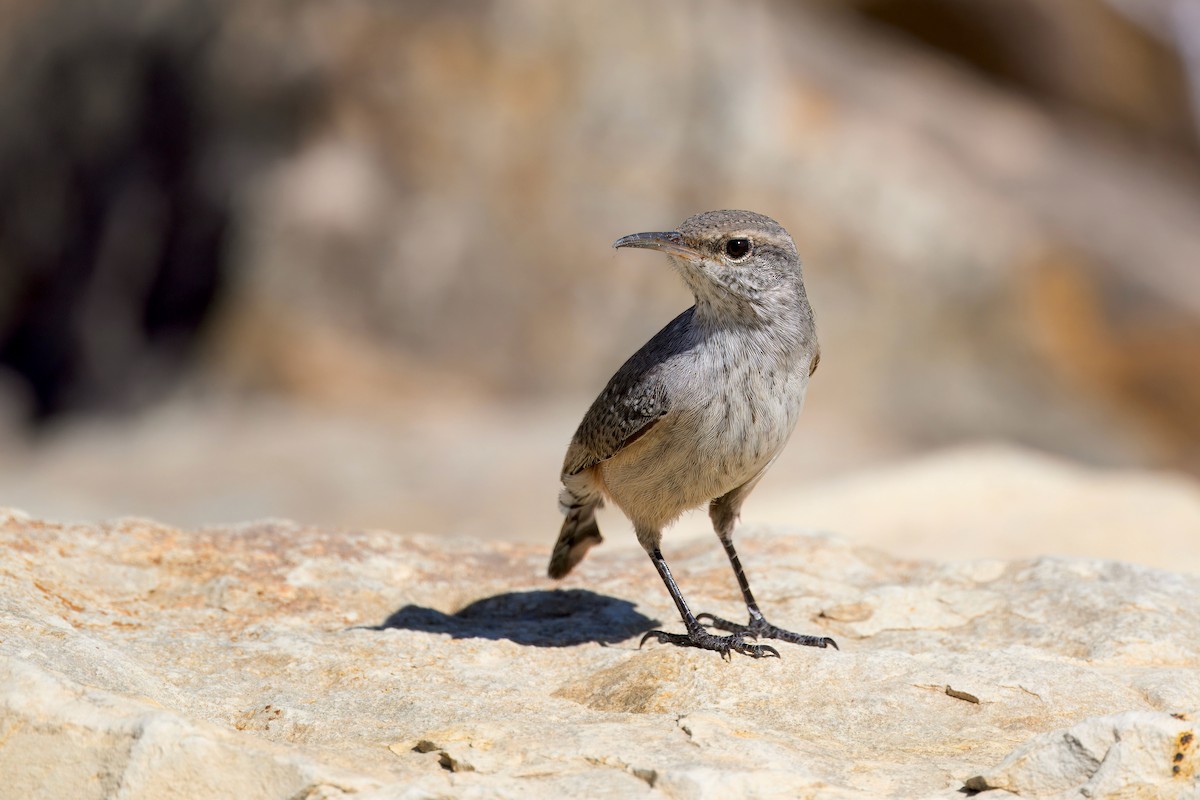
[700, 412]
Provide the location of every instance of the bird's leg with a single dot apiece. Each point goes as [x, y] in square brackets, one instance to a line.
[696, 635]
[724, 514]
[758, 625]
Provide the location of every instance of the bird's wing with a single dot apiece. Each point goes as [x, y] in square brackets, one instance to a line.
[633, 402]
[623, 413]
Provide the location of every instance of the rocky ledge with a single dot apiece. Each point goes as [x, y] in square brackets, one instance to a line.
[272, 660]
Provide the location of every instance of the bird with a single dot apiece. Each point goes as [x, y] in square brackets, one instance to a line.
[700, 412]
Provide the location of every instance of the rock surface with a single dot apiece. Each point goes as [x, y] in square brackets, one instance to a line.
[1123, 755]
[272, 660]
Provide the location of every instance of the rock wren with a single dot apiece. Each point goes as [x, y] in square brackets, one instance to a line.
[701, 411]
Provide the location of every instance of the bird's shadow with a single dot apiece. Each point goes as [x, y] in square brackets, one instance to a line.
[558, 618]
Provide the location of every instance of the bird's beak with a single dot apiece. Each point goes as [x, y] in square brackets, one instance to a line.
[669, 242]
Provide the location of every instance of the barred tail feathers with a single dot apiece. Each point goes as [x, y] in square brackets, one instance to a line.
[579, 531]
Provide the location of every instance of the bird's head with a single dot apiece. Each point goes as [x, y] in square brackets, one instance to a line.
[735, 262]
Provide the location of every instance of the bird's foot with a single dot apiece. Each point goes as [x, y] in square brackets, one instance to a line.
[735, 643]
[759, 628]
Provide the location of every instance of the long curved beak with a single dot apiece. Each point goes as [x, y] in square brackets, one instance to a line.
[669, 242]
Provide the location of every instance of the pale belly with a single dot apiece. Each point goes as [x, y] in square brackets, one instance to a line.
[700, 454]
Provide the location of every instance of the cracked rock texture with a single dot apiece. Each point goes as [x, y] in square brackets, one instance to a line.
[272, 660]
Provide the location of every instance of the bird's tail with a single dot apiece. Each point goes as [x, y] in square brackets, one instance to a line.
[579, 530]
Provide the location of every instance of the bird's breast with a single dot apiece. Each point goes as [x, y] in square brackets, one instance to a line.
[752, 412]
[737, 417]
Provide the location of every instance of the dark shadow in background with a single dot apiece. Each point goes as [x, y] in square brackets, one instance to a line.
[559, 618]
[128, 134]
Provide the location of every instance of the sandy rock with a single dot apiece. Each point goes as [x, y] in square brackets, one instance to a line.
[1135, 754]
[992, 500]
[66, 739]
[299, 662]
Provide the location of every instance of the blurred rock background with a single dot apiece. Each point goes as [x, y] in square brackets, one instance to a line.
[349, 262]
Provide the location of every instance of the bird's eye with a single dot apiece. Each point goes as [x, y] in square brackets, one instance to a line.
[737, 248]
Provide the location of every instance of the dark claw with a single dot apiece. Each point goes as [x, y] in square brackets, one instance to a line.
[760, 628]
[706, 641]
